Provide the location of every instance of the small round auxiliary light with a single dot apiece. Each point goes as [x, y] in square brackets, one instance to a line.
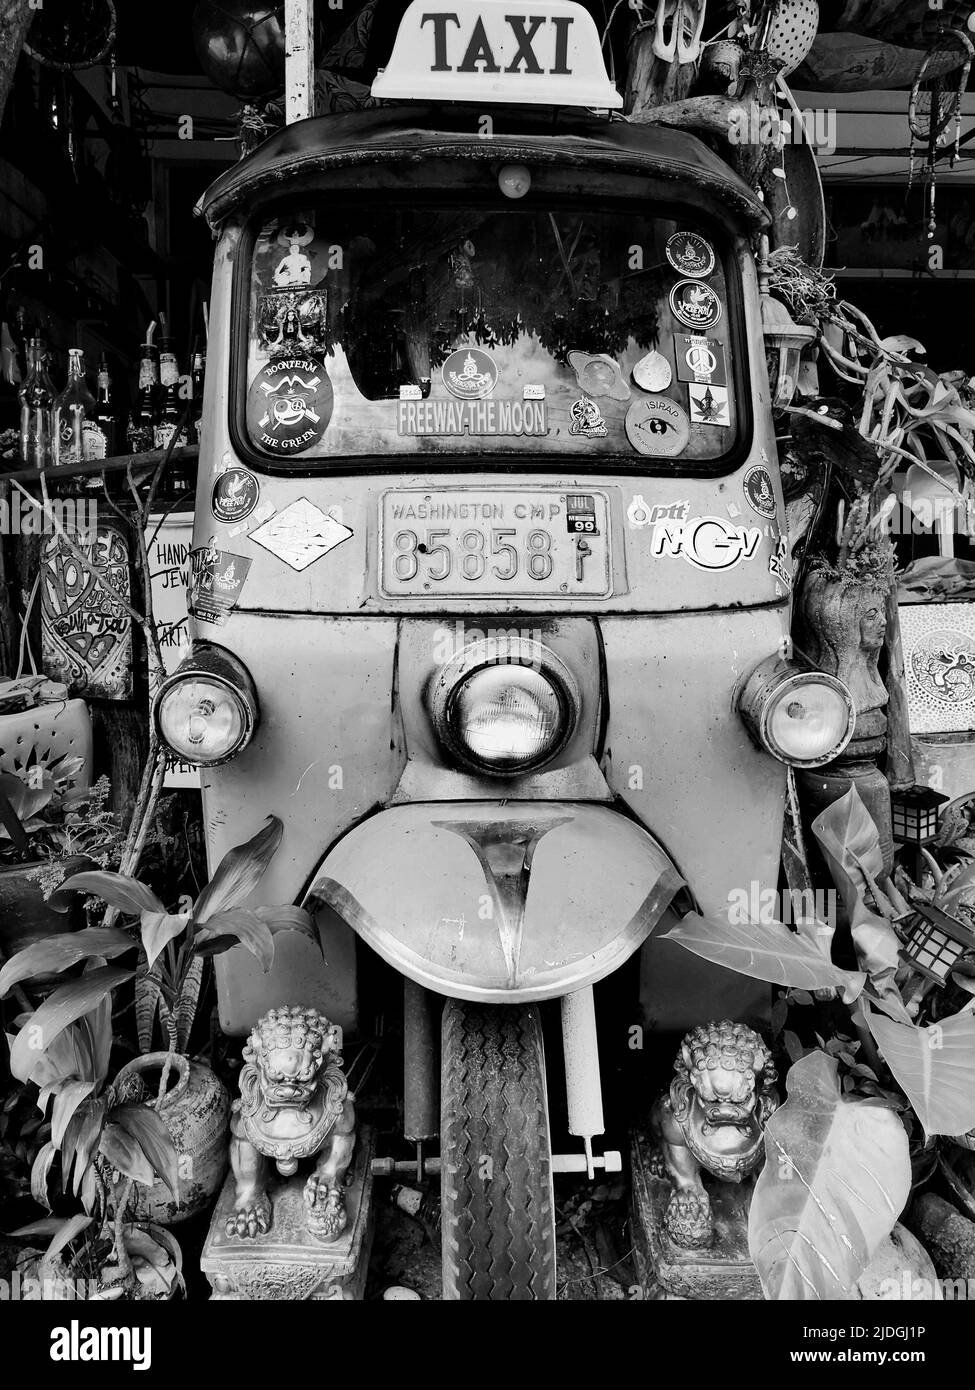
[514, 180]
[801, 716]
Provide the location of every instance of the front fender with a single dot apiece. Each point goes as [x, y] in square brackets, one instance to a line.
[496, 901]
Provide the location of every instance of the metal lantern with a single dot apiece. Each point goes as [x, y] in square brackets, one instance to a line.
[936, 943]
[915, 813]
[784, 339]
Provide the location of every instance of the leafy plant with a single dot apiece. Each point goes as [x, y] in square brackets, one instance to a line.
[836, 1178]
[46, 817]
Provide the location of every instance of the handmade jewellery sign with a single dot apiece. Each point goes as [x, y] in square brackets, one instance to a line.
[496, 51]
[169, 541]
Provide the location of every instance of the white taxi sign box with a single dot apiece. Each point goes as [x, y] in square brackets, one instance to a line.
[493, 51]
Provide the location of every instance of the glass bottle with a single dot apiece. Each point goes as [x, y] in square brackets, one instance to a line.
[37, 410]
[105, 411]
[171, 407]
[77, 436]
[145, 413]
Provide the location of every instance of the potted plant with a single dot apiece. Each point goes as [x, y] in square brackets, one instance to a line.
[49, 828]
[173, 950]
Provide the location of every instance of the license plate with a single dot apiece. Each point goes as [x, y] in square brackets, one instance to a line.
[495, 542]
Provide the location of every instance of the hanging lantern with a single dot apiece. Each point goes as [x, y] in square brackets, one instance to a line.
[915, 813]
[936, 943]
[784, 339]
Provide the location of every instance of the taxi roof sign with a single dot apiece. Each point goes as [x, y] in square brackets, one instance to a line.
[533, 52]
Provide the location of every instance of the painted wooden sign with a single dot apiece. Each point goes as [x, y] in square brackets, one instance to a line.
[86, 632]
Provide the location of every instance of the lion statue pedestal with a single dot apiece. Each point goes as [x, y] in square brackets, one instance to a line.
[692, 1240]
[298, 1235]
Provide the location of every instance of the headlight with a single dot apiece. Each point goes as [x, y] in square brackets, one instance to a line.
[206, 711]
[505, 705]
[802, 717]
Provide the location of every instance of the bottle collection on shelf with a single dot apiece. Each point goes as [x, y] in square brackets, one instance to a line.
[76, 426]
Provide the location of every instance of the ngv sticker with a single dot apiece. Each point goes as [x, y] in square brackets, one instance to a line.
[706, 542]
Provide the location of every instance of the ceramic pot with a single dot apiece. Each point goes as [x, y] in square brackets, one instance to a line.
[196, 1111]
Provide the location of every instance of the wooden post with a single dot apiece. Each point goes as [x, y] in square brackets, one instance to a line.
[299, 59]
[900, 754]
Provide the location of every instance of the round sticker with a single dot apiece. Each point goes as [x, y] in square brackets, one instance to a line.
[289, 405]
[759, 493]
[470, 374]
[695, 304]
[235, 495]
[657, 425]
[690, 254]
[653, 372]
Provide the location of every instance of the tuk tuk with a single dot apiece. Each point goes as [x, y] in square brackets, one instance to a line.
[491, 590]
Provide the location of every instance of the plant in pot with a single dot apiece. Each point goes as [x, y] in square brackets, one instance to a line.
[49, 828]
[101, 1148]
[838, 1169]
[174, 948]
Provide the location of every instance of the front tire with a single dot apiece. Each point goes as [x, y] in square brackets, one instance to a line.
[496, 1156]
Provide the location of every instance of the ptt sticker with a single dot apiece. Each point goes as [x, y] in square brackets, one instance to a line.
[216, 581]
[699, 360]
[706, 542]
[690, 254]
[234, 495]
[586, 419]
[695, 304]
[470, 374]
[709, 405]
[598, 374]
[301, 533]
[289, 405]
[778, 564]
[640, 513]
[759, 494]
[580, 513]
[657, 425]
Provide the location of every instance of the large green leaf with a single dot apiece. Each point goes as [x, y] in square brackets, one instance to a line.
[764, 951]
[62, 1228]
[236, 924]
[158, 929]
[40, 1169]
[149, 1131]
[189, 995]
[56, 953]
[118, 890]
[124, 1152]
[66, 1004]
[81, 1140]
[837, 1175]
[850, 842]
[290, 918]
[239, 872]
[148, 986]
[934, 1067]
[66, 1102]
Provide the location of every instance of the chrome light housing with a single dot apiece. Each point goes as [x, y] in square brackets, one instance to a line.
[503, 706]
[801, 716]
[206, 712]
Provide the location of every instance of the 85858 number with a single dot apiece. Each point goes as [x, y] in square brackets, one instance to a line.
[470, 556]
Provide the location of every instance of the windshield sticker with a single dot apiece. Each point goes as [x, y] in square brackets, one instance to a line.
[470, 374]
[216, 583]
[598, 374]
[301, 533]
[706, 542]
[695, 304]
[657, 425]
[235, 495]
[289, 405]
[759, 494]
[709, 405]
[292, 320]
[700, 360]
[653, 372]
[690, 254]
[472, 417]
[587, 419]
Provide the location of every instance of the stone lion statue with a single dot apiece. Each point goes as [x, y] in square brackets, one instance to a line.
[294, 1103]
[714, 1118]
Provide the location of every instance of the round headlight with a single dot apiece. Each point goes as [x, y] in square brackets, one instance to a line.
[206, 711]
[802, 717]
[505, 706]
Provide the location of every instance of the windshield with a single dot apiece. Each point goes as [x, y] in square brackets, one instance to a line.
[513, 330]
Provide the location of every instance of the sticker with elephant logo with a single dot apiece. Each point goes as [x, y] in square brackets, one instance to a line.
[289, 405]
